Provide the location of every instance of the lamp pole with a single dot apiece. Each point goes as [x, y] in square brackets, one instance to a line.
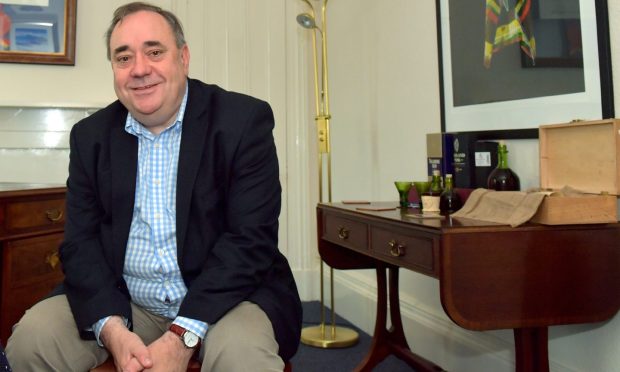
[317, 335]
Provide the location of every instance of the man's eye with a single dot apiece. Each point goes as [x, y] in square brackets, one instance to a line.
[156, 53]
[122, 59]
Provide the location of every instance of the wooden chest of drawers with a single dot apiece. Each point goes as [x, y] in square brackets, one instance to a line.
[31, 229]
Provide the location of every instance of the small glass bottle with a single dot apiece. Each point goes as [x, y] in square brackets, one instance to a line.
[503, 178]
[449, 201]
[430, 199]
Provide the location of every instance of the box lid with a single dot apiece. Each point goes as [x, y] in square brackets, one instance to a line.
[582, 154]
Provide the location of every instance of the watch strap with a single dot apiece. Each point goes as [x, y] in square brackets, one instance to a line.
[180, 331]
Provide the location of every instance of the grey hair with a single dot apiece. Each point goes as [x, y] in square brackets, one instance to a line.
[127, 9]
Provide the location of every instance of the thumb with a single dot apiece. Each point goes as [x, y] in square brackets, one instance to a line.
[144, 357]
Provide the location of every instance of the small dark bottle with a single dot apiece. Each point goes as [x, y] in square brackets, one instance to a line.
[450, 201]
[503, 178]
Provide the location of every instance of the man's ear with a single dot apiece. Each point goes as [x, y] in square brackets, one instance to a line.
[185, 58]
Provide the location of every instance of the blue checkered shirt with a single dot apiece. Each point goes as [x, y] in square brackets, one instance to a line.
[151, 269]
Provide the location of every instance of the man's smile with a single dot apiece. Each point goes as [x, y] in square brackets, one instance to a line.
[143, 87]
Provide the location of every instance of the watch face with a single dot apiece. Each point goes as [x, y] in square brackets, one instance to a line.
[190, 340]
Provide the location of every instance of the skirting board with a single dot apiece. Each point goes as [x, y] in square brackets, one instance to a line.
[428, 330]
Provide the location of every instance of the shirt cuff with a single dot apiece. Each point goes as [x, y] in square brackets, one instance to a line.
[97, 327]
[195, 326]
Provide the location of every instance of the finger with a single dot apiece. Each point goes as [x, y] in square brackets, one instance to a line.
[143, 356]
[146, 361]
[133, 366]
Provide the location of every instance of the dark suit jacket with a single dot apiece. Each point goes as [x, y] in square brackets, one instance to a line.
[228, 202]
[4, 363]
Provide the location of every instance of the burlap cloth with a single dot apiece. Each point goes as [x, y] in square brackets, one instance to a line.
[506, 207]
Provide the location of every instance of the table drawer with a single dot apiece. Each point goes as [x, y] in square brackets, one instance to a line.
[412, 252]
[32, 261]
[34, 214]
[345, 232]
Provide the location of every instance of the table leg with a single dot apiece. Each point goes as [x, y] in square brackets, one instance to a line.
[391, 341]
[531, 350]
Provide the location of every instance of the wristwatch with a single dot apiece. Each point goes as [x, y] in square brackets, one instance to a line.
[189, 339]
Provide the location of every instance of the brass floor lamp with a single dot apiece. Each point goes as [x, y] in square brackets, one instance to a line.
[318, 335]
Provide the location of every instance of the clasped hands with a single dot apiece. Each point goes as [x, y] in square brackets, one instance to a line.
[166, 354]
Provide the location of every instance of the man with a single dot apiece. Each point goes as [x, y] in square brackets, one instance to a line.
[170, 246]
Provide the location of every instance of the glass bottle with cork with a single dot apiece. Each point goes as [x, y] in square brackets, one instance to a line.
[449, 201]
[502, 178]
[430, 198]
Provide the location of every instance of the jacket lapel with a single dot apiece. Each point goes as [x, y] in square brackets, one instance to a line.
[195, 125]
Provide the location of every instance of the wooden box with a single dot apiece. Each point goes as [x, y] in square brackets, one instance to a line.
[584, 155]
[577, 209]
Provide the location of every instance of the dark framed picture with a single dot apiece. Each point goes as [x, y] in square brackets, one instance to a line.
[38, 31]
[512, 65]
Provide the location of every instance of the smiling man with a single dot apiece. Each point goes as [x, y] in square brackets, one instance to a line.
[170, 246]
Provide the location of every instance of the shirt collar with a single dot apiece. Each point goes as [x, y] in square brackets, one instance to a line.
[133, 126]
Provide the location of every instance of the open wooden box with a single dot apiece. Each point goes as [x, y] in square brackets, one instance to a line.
[583, 155]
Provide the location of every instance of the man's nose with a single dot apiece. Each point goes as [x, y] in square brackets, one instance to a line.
[141, 66]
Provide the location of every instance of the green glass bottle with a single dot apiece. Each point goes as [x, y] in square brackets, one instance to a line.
[503, 178]
[449, 201]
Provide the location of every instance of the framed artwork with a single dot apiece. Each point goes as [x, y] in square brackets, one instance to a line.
[38, 31]
[512, 65]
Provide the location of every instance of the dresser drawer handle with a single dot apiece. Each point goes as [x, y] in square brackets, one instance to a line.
[396, 249]
[52, 259]
[343, 233]
[54, 215]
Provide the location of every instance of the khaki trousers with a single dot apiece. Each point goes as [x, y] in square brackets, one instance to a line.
[47, 339]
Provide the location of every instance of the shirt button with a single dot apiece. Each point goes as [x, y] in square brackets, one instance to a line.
[166, 284]
[161, 252]
[157, 216]
[157, 182]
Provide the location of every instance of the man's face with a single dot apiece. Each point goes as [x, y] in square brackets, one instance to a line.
[149, 69]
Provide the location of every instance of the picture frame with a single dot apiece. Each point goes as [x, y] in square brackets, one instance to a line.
[493, 89]
[38, 31]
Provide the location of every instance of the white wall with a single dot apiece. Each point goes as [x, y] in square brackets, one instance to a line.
[385, 98]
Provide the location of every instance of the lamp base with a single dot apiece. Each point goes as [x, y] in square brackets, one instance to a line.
[329, 337]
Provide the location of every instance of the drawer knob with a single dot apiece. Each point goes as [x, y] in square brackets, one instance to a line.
[54, 215]
[52, 259]
[396, 249]
[343, 233]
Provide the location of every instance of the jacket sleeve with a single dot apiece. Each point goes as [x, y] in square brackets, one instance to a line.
[91, 287]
